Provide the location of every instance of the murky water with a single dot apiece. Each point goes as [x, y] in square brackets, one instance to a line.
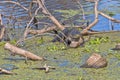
[67, 62]
[107, 6]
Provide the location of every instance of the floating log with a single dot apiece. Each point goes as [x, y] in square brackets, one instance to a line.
[95, 61]
[18, 51]
[4, 71]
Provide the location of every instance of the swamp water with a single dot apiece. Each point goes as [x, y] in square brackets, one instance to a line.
[67, 61]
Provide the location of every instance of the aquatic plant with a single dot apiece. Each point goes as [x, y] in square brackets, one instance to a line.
[99, 40]
[2, 43]
[55, 48]
[68, 13]
[117, 55]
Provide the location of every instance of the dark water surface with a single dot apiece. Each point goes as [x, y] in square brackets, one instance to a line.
[107, 6]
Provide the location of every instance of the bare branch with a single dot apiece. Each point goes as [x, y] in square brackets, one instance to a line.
[21, 52]
[41, 31]
[96, 18]
[1, 22]
[49, 15]
[80, 5]
[28, 25]
[2, 32]
[13, 2]
[110, 18]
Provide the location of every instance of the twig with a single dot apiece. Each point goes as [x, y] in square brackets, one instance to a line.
[2, 32]
[25, 33]
[110, 18]
[46, 68]
[49, 15]
[1, 21]
[96, 18]
[17, 3]
[80, 5]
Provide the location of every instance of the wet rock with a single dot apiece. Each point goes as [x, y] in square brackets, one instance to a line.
[95, 61]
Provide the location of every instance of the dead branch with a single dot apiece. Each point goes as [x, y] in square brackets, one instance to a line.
[96, 18]
[4, 71]
[17, 3]
[91, 0]
[21, 52]
[1, 22]
[91, 33]
[80, 5]
[28, 25]
[49, 15]
[46, 68]
[110, 18]
[41, 31]
[2, 32]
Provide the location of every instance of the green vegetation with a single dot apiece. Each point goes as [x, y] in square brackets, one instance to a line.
[99, 40]
[67, 14]
[66, 61]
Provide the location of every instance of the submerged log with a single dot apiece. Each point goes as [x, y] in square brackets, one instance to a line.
[18, 51]
[95, 61]
[4, 71]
